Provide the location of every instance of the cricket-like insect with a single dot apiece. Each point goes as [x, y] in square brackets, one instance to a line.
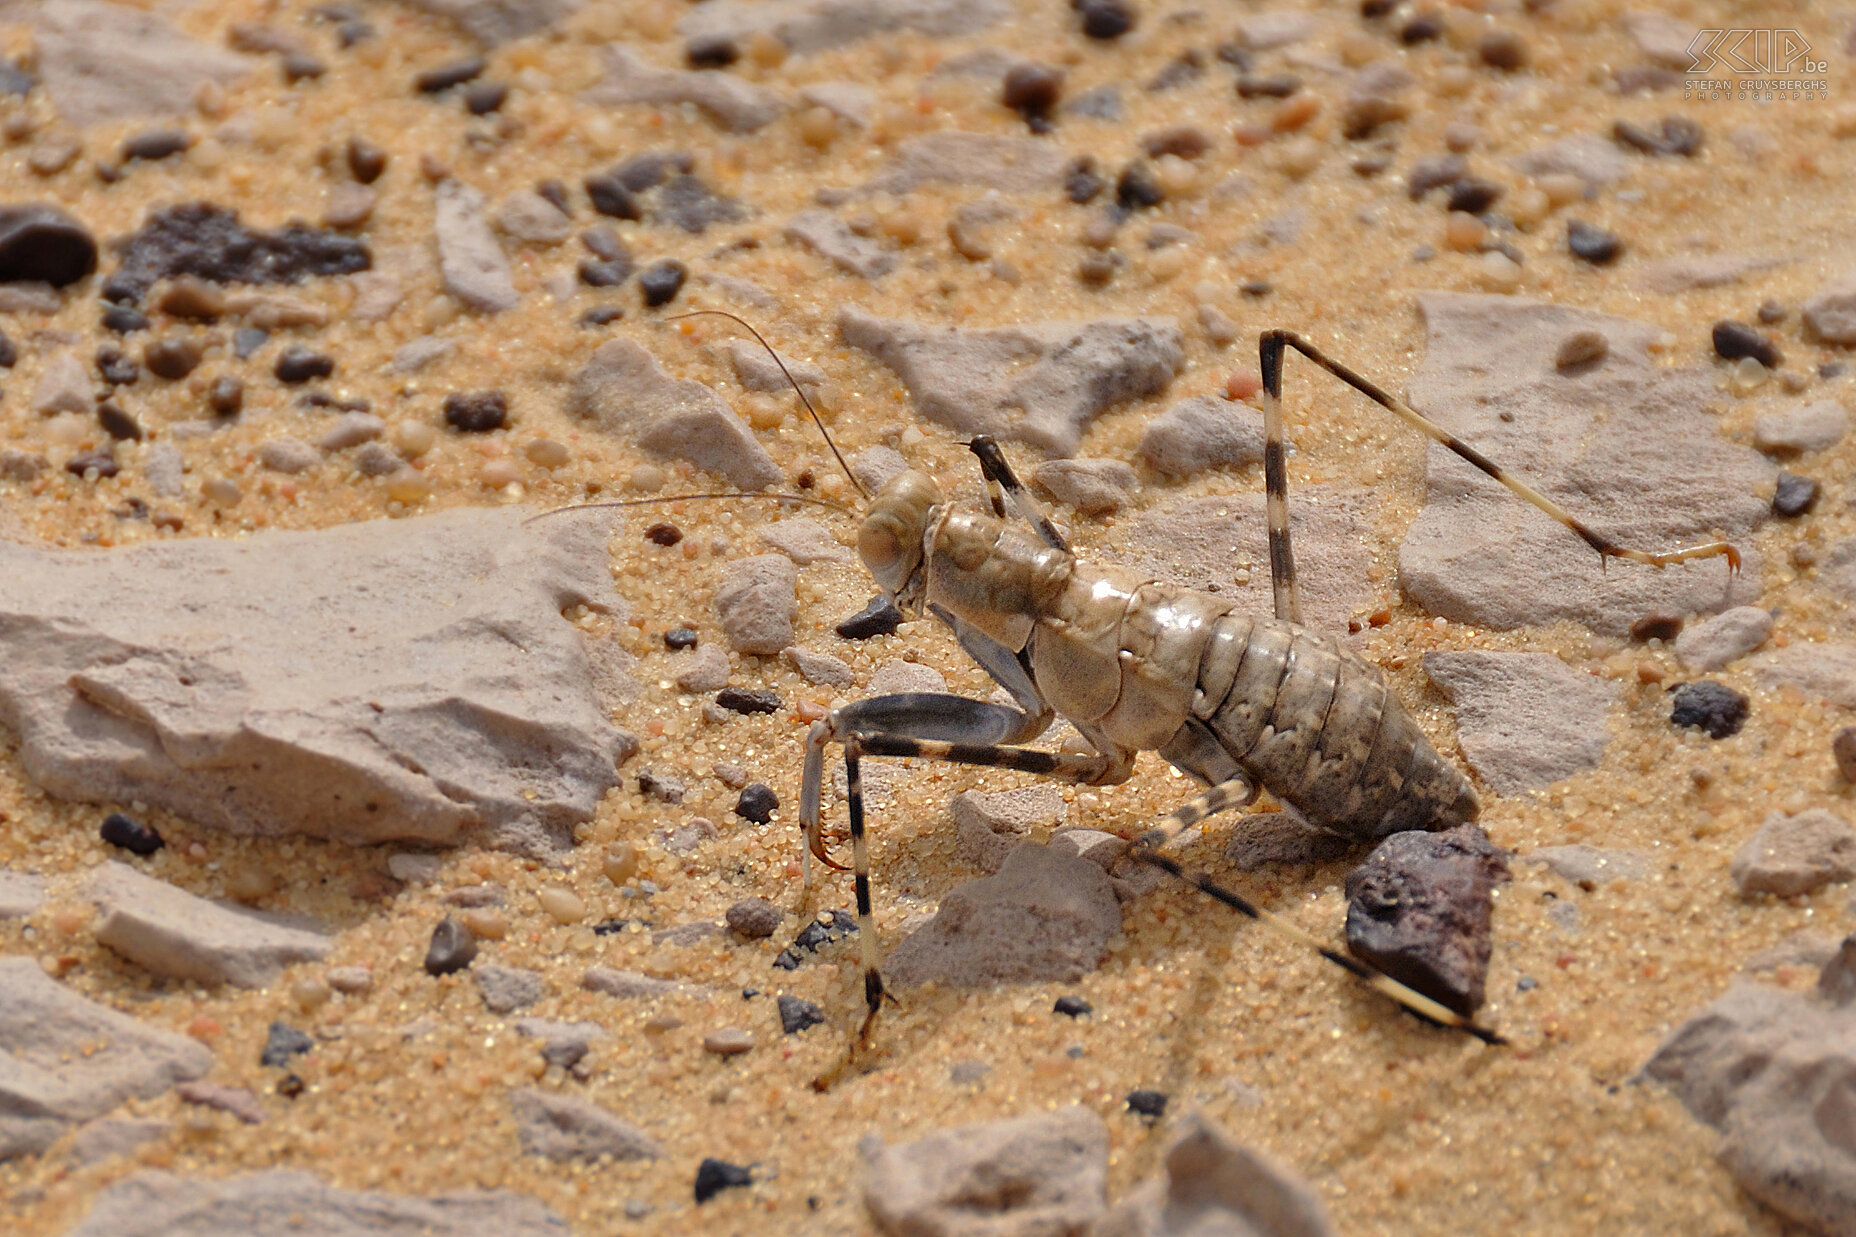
[1239, 703]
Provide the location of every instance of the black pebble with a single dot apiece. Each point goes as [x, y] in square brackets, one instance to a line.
[1033, 90]
[1674, 135]
[679, 638]
[601, 315]
[1733, 340]
[445, 76]
[124, 319]
[117, 423]
[282, 1043]
[172, 359]
[1794, 496]
[9, 352]
[131, 835]
[366, 161]
[226, 397]
[607, 274]
[757, 803]
[298, 364]
[207, 240]
[154, 144]
[1473, 195]
[879, 618]
[611, 198]
[1593, 243]
[662, 280]
[476, 412]
[1072, 1006]
[1423, 28]
[117, 367]
[247, 340]
[747, 700]
[482, 98]
[1105, 19]
[693, 206]
[713, 1176]
[38, 241]
[1136, 188]
[452, 949]
[1081, 184]
[711, 52]
[829, 926]
[1148, 1104]
[663, 534]
[796, 1014]
[647, 171]
[1710, 706]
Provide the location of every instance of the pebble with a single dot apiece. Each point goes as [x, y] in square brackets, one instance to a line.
[686, 202]
[1674, 135]
[754, 918]
[485, 923]
[1656, 627]
[100, 462]
[124, 319]
[757, 803]
[471, 260]
[53, 155]
[247, 340]
[297, 364]
[1473, 195]
[1795, 854]
[713, 1176]
[757, 604]
[610, 196]
[661, 786]
[1148, 1105]
[1843, 748]
[1136, 188]
[506, 989]
[1033, 90]
[1105, 19]
[796, 1014]
[1202, 433]
[1794, 495]
[661, 281]
[452, 949]
[561, 905]
[1072, 1007]
[131, 834]
[1581, 351]
[282, 1043]
[620, 862]
[207, 240]
[352, 980]
[1723, 639]
[117, 368]
[238, 1101]
[664, 534]
[1733, 340]
[527, 216]
[445, 76]
[1420, 909]
[366, 161]
[483, 98]
[172, 359]
[43, 243]
[1504, 50]
[1813, 427]
[349, 205]
[878, 618]
[156, 144]
[351, 429]
[63, 386]
[118, 424]
[288, 455]
[1592, 243]
[476, 412]
[748, 701]
[226, 396]
[680, 638]
[728, 1041]
[17, 465]
[1710, 706]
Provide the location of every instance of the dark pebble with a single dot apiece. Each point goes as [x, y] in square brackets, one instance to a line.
[647, 171]
[1105, 19]
[1080, 182]
[366, 161]
[482, 98]
[601, 315]
[291, 1085]
[1733, 340]
[1270, 86]
[691, 205]
[1594, 244]
[203, 239]
[172, 359]
[117, 367]
[452, 949]
[131, 835]
[828, 927]
[1473, 195]
[1504, 50]
[247, 340]
[1362, 118]
[611, 198]
[679, 638]
[662, 787]
[757, 803]
[1072, 1006]
[1664, 627]
[1424, 28]
[1096, 269]
[1526, 983]
[879, 618]
[1673, 135]
[747, 700]
[1434, 172]
[1185, 141]
[1372, 9]
[302, 67]
[1182, 70]
[322, 399]
[282, 1043]
[1710, 706]
[713, 1176]
[117, 423]
[1794, 495]
[1843, 749]
[1771, 312]
[152, 144]
[476, 412]
[661, 281]
[1033, 91]
[9, 352]
[1150, 1105]
[39, 241]
[554, 191]
[1136, 188]
[445, 76]
[354, 31]
[1258, 287]
[1420, 907]
[663, 534]
[298, 364]
[605, 244]
[610, 273]
[711, 52]
[1832, 369]
[796, 1014]
[226, 397]
[124, 319]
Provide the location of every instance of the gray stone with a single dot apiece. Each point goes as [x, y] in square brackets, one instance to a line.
[1593, 159]
[376, 459]
[895, 677]
[1591, 866]
[349, 205]
[565, 1127]
[415, 354]
[1093, 487]
[470, 261]
[972, 160]
[183, 936]
[624, 391]
[1045, 915]
[65, 1059]
[377, 294]
[1836, 570]
[820, 669]
[988, 824]
[1200, 433]
[808, 26]
[757, 604]
[1830, 316]
[1664, 40]
[743, 290]
[107, 1139]
[804, 540]
[703, 669]
[1793, 854]
[564, 1044]
[405, 680]
[353, 980]
[1723, 639]
[758, 371]
[876, 467]
[736, 104]
[832, 239]
[507, 988]
[629, 985]
[294, 1204]
[852, 102]
[21, 894]
[240, 1102]
[64, 386]
[528, 217]
[164, 467]
[1420, 909]
[1211, 1186]
[1524, 719]
[103, 62]
[351, 429]
[1627, 447]
[413, 868]
[1267, 31]
[754, 918]
[1813, 427]
[288, 455]
[1040, 384]
[1824, 670]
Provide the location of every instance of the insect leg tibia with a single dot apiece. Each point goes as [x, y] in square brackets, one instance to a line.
[998, 472]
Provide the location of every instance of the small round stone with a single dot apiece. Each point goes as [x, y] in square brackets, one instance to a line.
[1592, 243]
[748, 700]
[1710, 706]
[117, 423]
[1464, 233]
[1473, 195]
[754, 918]
[476, 412]
[680, 638]
[1733, 340]
[1664, 627]
[1105, 19]
[661, 281]
[620, 862]
[879, 618]
[486, 923]
[131, 835]
[226, 396]
[817, 127]
[712, 51]
[663, 534]
[1033, 91]
[445, 76]
[310, 994]
[1794, 495]
[153, 144]
[757, 803]
[452, 949]
[499, 474]
[297, 364]
[561, 905]
[1136, 188]
[1072, 1006]
[117, 368]
[101, 463]
[1581, 350]
[352, 980]
[366, 161]
[1081, 184]
[124, 319]
[1423, 28]
[220, 490]
[1504, 50]
[414, 438]
[39, 241]
[172, 359]
[482, 98]
[547, 453]
[728, 1041]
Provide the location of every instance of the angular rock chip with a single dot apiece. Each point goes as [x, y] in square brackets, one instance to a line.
[1626, 447]
[758, 372]
[624, 391]
[1812, 427]
[472, 264]
[507, 988]
[565, 1127]
[736, 104]
[1045, 915]
[1212, 1185]
[1042, 1174]
[1420, 907]
[103, 62]
[832, 239]
[1725, 638]
[973, 160]
[184, 936]
[1040, 384]
[805, 541]
[1830, 316]
[394, 680]
[105, 1140]
[1593, 159]
[1524, 719]
[820, 669]
[64, 386]
[807, 26]
[207, 241]
[1203, 432]
[64, 1059]
[1793, 854]
[987, 824]
[293, 1204]
[1093, 487]
[757, 604]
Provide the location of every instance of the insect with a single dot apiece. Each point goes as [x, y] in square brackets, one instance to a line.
[1241, 704]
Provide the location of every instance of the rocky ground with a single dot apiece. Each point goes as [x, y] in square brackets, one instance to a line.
[376, 858]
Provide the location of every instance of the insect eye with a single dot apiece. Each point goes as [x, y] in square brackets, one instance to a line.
[878, 547]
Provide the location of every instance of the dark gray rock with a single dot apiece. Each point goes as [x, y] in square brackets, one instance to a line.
[1419, 909]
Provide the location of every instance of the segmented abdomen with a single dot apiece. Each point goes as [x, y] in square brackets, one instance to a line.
[1319, 728]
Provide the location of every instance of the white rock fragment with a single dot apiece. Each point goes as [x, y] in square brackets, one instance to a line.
[470, 261]
[819, 669]
[528, 217]
[21, 894]
[1793, 854]
[832, 239]
[63, 386]
[972, 160]
[415, 354]
[1592, 866]
[988, 824]
[1824, 670]
[758, 372]
[164, 467]
[508, 988]
[851, 102]
[288, 455]
[1813, 427]
[351, 429]
[894, 677]
[178, 934]
[1723, 639]
[876, 467]
[736, 104]
[1830, 316]
[758, 603]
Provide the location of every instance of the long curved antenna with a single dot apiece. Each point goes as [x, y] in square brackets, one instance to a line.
[797, 389]
[656, 499]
